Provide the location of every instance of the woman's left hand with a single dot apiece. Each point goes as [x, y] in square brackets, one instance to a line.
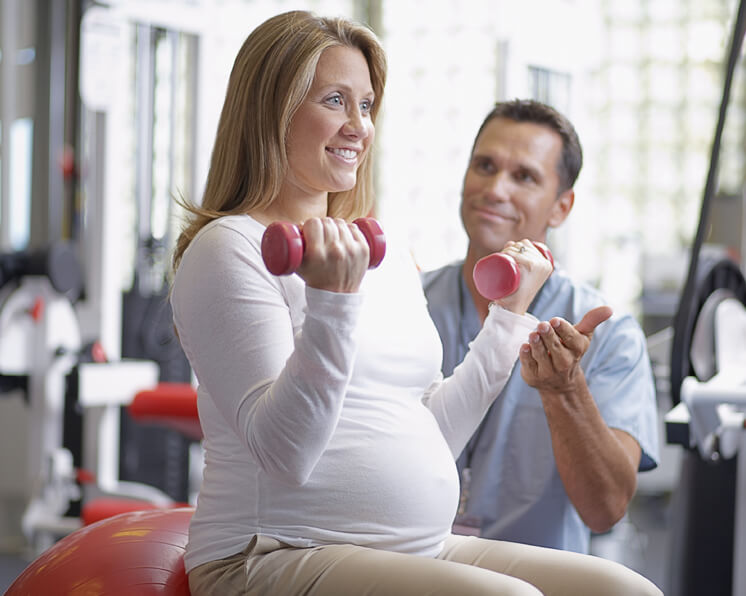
[534, 268]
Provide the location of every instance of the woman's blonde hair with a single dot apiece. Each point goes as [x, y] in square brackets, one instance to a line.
[271, 76]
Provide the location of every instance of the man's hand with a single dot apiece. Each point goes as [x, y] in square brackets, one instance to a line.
[550, 361]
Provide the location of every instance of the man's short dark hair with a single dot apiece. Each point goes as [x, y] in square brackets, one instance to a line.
[529, 110]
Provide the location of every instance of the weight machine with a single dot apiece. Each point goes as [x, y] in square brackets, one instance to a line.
[61, 299]
[68, 388]
[708, 390]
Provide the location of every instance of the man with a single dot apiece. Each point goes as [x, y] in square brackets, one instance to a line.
[557, 455]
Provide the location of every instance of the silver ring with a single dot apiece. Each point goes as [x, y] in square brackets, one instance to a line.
[521, 248]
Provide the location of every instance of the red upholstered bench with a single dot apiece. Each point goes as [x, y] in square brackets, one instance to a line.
[170, 404]
[105, 507]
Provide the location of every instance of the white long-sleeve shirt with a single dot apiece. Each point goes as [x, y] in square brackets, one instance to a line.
[325, 416]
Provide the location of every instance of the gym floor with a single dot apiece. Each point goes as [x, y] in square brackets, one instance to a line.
[10, 567]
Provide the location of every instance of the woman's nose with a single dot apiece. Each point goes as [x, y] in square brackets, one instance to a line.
[357, 125]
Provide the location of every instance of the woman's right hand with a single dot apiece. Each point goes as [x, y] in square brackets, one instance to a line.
[336, 255]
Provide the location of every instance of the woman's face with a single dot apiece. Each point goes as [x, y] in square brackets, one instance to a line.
[332, 129]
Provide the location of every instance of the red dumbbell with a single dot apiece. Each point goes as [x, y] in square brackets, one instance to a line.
[497, 275]
[283, 245]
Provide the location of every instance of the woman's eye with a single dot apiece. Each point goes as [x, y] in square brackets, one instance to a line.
[366, 106]
[335, 100]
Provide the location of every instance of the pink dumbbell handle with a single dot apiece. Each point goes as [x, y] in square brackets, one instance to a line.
[283, 245]
[497, 275]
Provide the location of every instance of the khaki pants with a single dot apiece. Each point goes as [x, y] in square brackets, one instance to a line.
[468, 566]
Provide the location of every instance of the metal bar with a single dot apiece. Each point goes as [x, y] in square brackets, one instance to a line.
[47, 184]
[192, 103]
[57, 93]
[144, 184]
[72, 108]
[8, 22]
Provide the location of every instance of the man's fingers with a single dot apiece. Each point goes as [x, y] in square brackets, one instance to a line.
[575, 337]
[592, 319]
[529, 366]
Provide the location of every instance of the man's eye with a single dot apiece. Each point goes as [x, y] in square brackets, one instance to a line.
[484, 167]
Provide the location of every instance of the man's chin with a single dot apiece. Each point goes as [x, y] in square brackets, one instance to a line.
[489, 239]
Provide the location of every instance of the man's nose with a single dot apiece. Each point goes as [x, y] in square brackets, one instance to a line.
[497, 187]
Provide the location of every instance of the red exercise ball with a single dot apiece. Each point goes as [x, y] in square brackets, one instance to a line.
[138, 552]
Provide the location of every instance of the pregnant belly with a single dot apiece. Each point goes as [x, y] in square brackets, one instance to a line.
[373, 480]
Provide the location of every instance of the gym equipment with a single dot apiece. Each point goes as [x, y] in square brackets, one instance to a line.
[131, 553]
[166, 405]
[708, 509]
[57, 262]
[72, 398]
[497, 275]
[157, 455]
[283, 245]
[710, 422]
[169, 404]
[106, 507]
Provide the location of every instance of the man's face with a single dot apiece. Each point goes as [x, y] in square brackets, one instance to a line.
[511, 187]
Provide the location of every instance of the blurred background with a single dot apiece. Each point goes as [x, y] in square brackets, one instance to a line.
[108, 110]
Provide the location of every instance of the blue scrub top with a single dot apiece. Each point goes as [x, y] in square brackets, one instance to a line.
[515, 490]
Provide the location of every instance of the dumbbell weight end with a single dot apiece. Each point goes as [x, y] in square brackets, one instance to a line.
[282, 248]
[283, 245]
[497, 275]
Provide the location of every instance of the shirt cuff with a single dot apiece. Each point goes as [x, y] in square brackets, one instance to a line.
[337, 308]
[527, 320]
